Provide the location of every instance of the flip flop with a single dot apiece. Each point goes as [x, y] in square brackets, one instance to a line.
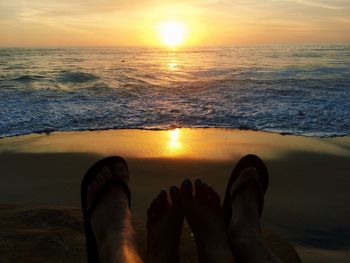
[248, 161]
[91, 245]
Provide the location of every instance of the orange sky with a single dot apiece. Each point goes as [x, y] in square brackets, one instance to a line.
[208, 22]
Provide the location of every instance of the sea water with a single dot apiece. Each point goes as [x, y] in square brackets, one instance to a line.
[297, 89]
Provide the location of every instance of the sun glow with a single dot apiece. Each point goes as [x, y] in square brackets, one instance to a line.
[172, 33]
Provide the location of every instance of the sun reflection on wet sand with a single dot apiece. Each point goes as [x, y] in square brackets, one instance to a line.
[174, 145]
[204, 144]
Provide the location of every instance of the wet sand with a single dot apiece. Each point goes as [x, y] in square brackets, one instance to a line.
[307, 201]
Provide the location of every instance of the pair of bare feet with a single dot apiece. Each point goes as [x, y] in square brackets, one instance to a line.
[203, 213]
[199, 204]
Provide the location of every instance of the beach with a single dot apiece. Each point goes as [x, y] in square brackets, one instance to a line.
[306, 203]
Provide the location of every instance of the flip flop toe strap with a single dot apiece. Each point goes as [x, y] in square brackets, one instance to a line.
[240, 188]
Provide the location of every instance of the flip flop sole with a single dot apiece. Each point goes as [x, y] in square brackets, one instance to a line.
[91, 246]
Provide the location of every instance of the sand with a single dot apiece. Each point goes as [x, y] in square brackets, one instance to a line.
[306, 204]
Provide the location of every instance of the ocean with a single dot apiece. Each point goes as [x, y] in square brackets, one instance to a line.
[289, 89]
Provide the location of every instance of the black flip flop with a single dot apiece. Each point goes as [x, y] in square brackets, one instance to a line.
[91, 246]
[247, 161]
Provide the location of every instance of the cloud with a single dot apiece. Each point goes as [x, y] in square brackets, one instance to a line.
[335, 5]
[122, 17]
[77, 7]
[323, 4]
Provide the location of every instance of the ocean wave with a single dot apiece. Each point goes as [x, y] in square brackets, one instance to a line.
[28, 78]
[76, 77]
[258, 88]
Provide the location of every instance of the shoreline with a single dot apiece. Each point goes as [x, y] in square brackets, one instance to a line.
[309, 177]
[170, 128]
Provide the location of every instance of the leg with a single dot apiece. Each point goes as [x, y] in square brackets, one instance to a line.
[111, 218]
[205, 216]
[245, 226]
[164, 226]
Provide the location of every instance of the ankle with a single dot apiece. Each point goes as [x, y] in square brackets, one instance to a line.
[118, 252]
[115, 238]
[244, 228]
[107, 249]
[241, 240]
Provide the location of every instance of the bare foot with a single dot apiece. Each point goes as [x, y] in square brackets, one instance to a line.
[164, 226]
[205, 216]
[111, 218]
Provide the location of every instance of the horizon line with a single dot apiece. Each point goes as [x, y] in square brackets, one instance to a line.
[177, 48]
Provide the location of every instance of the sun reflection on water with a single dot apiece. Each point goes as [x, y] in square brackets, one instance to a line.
[172, 65]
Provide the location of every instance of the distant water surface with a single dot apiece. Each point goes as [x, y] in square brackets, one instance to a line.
[298, 89]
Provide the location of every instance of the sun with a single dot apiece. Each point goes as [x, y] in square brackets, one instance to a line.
[172, 33]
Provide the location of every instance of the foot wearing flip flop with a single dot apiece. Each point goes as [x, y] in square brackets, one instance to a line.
[111, 218]
[205, 216]
[244, 228]
[245, 220]
[164, 226]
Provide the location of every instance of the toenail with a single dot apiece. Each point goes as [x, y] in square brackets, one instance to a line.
[173, 189]
[187, 184]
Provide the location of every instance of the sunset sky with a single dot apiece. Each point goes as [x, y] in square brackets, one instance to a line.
[206, 22]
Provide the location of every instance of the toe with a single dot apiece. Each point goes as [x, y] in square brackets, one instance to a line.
[150, 216]
[120, 170]
[94, 184]
[198, 188]
[156, 203]
[205, 187]
[213, 196]
[175, 196]
[250, 171]
[163, 200]
[202, 191]
[157, 207]
[102, 177]
[248, 175]
[151, 211]
[187, 189]
[93, 188]
[106, 171]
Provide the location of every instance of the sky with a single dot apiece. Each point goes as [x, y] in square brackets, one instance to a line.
[208, 22]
